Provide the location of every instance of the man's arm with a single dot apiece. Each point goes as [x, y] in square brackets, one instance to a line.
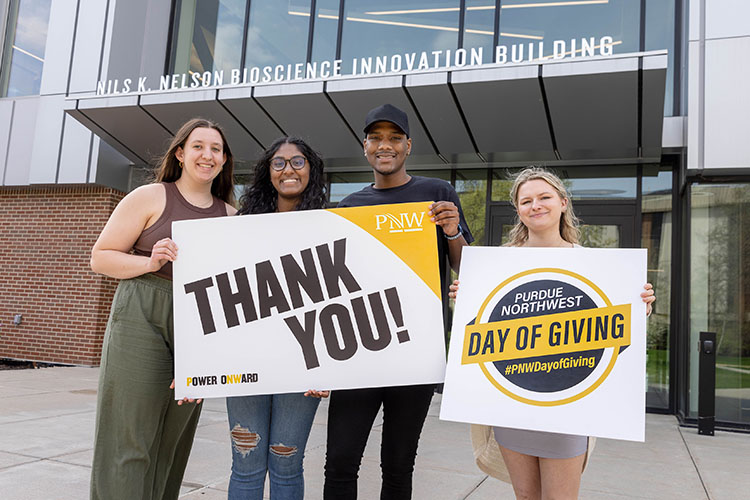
[445, 214]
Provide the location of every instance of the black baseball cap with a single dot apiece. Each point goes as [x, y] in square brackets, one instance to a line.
[387, 113]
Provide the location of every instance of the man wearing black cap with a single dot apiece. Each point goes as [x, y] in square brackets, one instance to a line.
[351, 412]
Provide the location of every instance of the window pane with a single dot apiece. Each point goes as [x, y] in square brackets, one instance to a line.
[344, 184]
[656, 231]
[660, 23]
[23, 57]
[530, 21]
[720, 292]
[471, 186]
[600, 236]
[583, 183]
[479, 27]
[325, 30]
[209, 36]
[277, 33]
[391, 27]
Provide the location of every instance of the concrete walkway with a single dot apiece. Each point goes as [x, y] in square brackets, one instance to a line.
[47, 426]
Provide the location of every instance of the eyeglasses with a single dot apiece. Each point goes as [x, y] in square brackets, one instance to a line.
[297, 162]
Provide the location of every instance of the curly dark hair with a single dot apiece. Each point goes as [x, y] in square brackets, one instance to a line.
[261, 197]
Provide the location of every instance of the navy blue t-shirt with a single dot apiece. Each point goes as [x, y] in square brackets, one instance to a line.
[417, 189]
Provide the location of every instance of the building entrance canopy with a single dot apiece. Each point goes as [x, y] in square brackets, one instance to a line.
[572, 110]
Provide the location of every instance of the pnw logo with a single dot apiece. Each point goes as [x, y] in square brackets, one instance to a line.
[400, 223]
[547, 337]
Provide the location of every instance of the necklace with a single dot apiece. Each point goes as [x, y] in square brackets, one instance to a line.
[203, 204]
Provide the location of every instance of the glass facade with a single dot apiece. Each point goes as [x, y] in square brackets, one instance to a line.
[373, 30]
[214, 35]
[571, 29]
[720, 293]
[286, 43]
[209, 36]
[479, 27]
[325, 30]
[656, 237]
[471, 186]
[661, 35]
[23, 48]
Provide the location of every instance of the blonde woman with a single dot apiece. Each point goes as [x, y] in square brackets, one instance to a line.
[540, 465]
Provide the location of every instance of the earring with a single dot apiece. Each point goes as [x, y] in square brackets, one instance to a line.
[180, 163]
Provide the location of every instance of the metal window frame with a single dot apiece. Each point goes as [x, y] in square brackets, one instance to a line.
[8, 30]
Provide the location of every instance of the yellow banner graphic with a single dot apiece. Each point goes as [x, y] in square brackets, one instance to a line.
[560, 333]
[406, 230]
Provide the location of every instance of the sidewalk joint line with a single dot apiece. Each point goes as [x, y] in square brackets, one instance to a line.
[475, 488]
[692, 459]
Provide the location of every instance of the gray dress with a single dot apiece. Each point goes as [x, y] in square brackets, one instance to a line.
[541, 444]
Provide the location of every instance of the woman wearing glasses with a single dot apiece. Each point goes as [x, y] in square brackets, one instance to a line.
[269, 432]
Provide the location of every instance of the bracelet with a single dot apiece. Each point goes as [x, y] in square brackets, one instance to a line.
[455, 236]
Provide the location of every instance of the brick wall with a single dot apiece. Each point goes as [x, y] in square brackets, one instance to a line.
[46, 235]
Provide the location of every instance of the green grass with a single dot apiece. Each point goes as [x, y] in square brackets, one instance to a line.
[657, 365]
[734, 361]
[726, 379]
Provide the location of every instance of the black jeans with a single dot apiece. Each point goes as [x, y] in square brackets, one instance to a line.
[350, 417]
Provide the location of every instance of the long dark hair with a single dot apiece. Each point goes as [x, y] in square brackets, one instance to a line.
[169, 166]
[262, 198]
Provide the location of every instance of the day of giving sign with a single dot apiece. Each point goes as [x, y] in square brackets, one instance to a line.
[320, 299]
[551, 340]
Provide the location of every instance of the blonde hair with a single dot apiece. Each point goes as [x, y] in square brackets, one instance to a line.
[568, 221]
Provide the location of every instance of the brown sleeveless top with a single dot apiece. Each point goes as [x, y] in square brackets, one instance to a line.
[176, 208]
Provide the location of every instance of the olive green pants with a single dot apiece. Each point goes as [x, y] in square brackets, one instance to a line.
[143, 438]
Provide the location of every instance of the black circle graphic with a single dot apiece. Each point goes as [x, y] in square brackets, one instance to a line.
[510, 308]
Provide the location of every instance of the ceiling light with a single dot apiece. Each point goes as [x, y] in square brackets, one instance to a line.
[486, 7]
[407, 25]
[307, 14]
[19, 49]
[553, 4]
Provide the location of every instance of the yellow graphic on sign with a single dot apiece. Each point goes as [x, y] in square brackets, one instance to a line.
[406, 230]
[559, 333]
[552, 321]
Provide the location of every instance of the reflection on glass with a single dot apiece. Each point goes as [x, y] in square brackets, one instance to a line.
[325, 30]
[578, 27]
[656, 230]
[600, 236]
[720, 292]
[23, 54]
[471, 186]
[277, 33]
[479, 27]
[660, 21]
[583, 183]
[373, 29]
[209, 36]
[345, 183]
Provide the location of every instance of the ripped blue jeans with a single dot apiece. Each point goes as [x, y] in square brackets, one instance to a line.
[269, 434]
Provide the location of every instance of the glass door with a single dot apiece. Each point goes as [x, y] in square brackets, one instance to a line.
[603, 225]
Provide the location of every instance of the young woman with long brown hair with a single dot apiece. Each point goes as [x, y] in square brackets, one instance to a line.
[143, 436]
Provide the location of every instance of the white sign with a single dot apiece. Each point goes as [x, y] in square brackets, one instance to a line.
[320, 299]
[550, 340]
